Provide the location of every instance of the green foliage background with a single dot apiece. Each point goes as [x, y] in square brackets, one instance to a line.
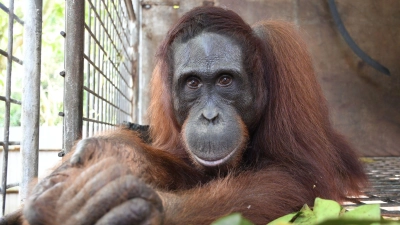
[51, 90]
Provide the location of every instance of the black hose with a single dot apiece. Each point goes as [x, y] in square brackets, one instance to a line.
[350, 41]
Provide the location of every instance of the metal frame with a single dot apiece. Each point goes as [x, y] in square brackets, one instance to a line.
[7, 98]
[99, 76]
[73, 88]
[384, 177]
[31, 95]
[99, 67]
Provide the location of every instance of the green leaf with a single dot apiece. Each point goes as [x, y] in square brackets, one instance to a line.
[306, 216]
[364, 212]
[326, 209]
[342, 212]
[355, 222]
[283, 220]
[233, 219]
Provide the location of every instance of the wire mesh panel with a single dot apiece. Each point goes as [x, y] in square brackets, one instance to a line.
[108, 65]
[384, 177]
[99, 67]
[10, 74]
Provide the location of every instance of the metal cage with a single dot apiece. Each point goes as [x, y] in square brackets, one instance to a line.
[101, 41]
[100, 62]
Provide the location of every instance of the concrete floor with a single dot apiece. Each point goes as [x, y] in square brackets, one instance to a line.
[365, 104]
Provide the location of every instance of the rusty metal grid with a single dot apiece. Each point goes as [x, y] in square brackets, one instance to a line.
[108, 66]
[384, 189]
[6, 97]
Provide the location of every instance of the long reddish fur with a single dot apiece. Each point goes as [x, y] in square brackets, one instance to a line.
[293, 154]
[294, 133]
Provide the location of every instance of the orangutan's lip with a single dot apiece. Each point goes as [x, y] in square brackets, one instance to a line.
[217, 162]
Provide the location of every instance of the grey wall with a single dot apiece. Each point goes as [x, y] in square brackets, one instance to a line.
[365, 104]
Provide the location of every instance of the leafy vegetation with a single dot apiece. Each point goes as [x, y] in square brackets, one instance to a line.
[324, 212]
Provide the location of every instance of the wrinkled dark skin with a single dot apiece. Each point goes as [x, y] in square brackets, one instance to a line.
[104, 193]
[212, 98]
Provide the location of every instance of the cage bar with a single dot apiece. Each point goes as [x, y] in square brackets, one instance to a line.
[7, 103]
[31, 94]
[7, 100]
[73, 88]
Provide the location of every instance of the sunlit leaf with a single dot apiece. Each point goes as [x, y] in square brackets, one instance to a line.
[365, 212]
[306, 216]
[326, 209]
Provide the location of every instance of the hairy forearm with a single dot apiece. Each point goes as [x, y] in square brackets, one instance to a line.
[248, 194]
[158, 168]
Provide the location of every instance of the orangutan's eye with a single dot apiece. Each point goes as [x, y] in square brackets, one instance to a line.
[224, 81]
[193, 82]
